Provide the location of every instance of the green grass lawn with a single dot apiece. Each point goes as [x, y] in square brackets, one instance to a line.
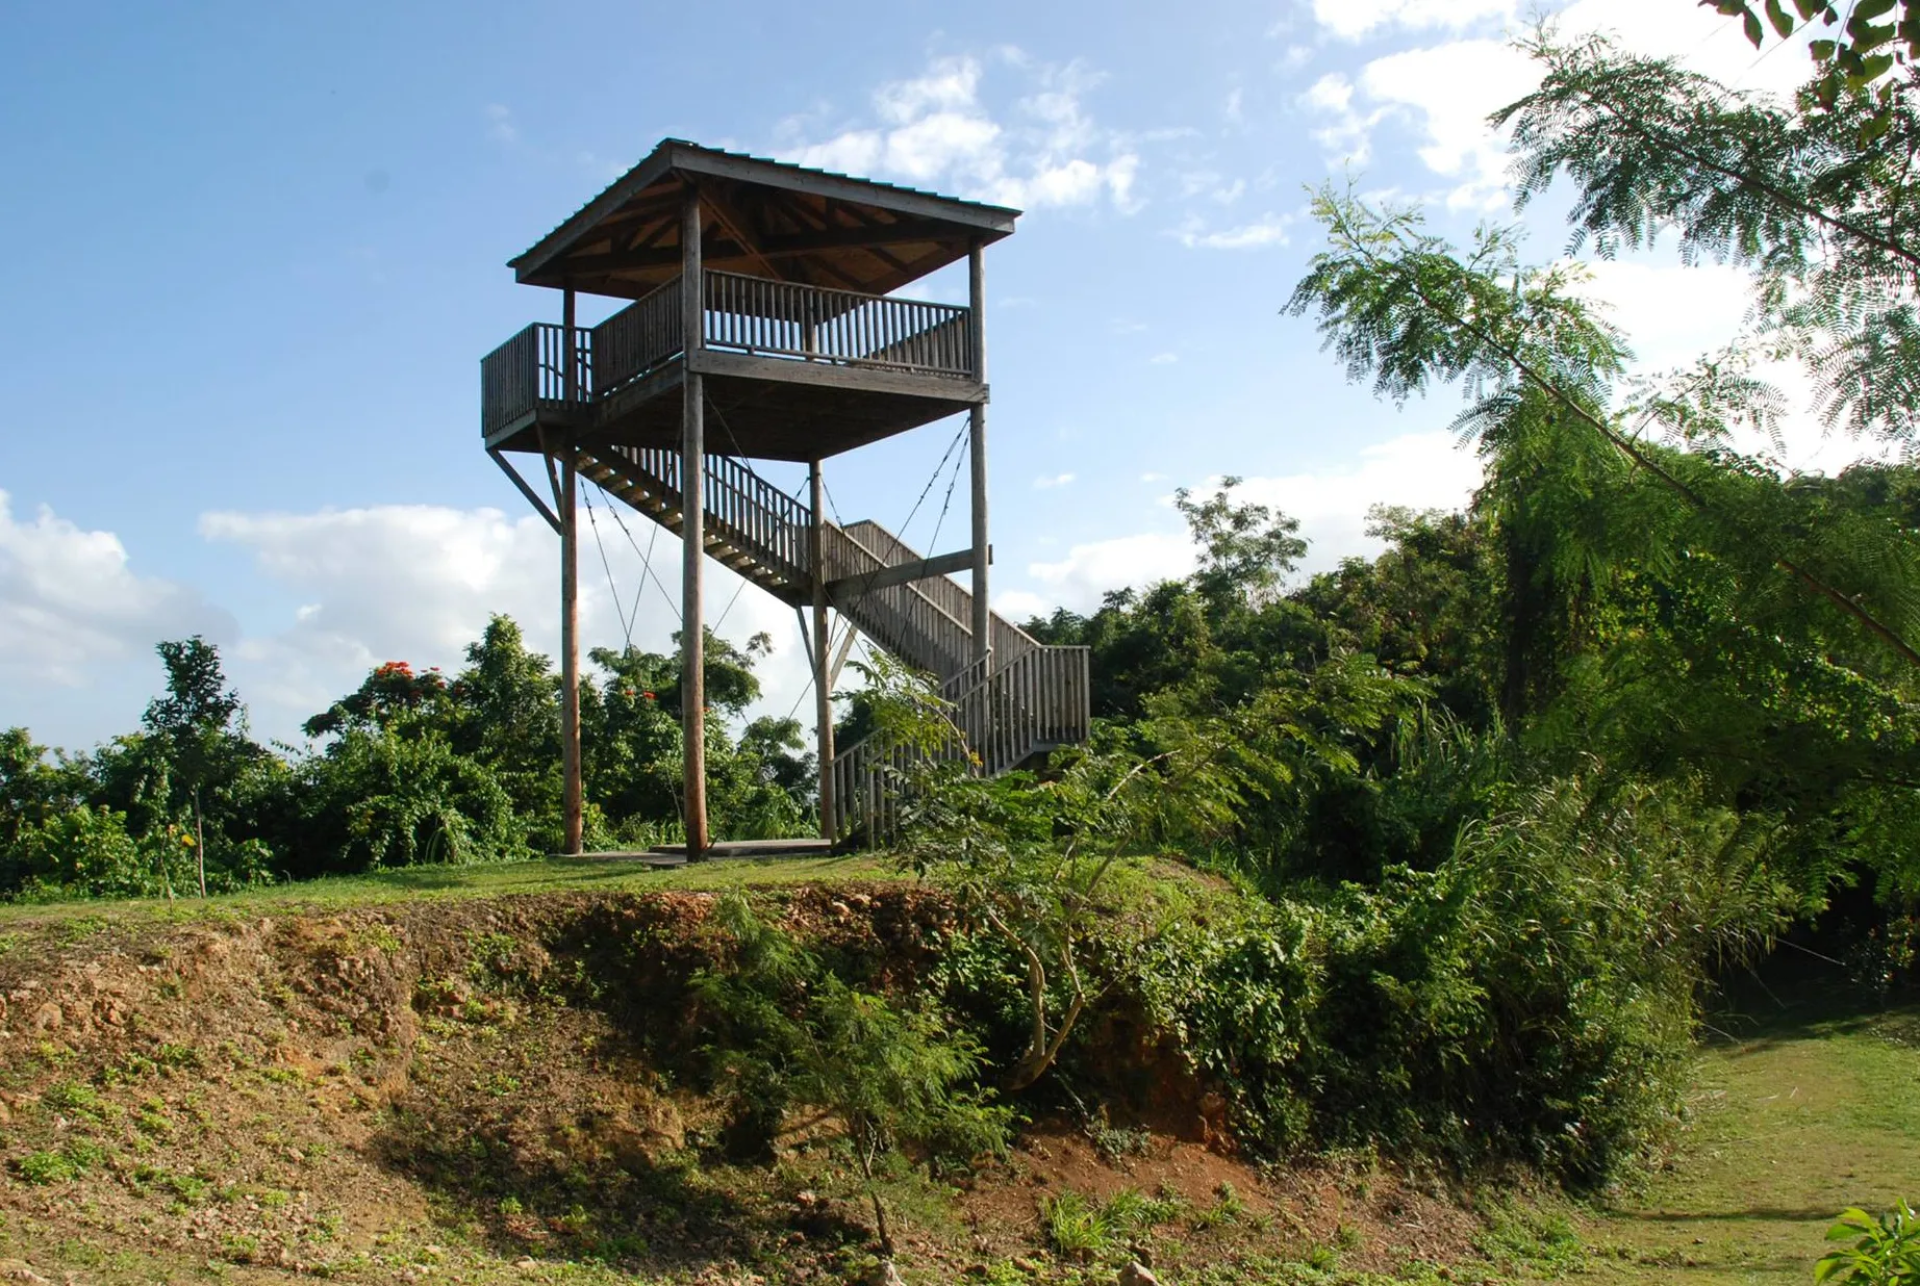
[1797, 1114]
[406, 884]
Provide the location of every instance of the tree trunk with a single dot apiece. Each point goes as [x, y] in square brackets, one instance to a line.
[865, 1147]
[880, 1221]
[199, 842]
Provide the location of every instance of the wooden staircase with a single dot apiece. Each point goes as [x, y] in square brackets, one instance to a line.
[1024, 699]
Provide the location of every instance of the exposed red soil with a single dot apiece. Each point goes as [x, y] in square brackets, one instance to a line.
[458, 1089]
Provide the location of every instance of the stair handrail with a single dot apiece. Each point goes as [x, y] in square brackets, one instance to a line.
[742, 507]
[1004, 637]
[1000, 716]
[855, 781]
[949, 654]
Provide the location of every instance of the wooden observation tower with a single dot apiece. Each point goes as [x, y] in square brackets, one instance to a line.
[762, 327]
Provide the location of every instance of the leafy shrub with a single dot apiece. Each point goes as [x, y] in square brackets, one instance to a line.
[1887, 956]
[790, 1031]
[1075, 1227]
[44, 1169]
[379, 798]
[72, 1096]
[1531, 998]
[88, 851]
[1885, 1251]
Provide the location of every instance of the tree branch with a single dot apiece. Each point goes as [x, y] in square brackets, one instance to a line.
[1632, 450]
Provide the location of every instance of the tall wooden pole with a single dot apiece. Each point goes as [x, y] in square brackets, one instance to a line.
[571, 805]
[822, 679]
[693, 643]
[977, 449]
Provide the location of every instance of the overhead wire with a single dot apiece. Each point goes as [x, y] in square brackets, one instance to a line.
[933, 541]
[646, 557]
[843, 627]
[626, 622]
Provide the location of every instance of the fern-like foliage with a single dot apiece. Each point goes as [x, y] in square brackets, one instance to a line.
[1822, 204]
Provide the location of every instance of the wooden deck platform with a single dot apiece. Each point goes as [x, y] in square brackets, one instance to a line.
[671, 855]
[791, 372]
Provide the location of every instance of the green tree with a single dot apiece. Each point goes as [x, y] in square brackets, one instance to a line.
[1819, 204]
[32, 789]
[1858, 45]
[792, 1032]
[198, 724]
[1246, 550]
[391, 694]
[1679, 608]
[506, 717]
[400, 797]
[1428, 605]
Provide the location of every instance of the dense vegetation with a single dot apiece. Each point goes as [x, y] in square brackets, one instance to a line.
[1500, 802]
[413, 767]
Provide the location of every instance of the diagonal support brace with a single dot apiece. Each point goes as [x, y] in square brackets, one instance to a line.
[546, 510]
[850, 587]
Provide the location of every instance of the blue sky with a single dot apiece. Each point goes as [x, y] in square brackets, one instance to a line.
[258, 252]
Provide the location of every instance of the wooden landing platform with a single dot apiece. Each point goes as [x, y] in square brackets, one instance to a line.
[670, 855]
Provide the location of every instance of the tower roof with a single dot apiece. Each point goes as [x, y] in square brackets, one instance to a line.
[759, 216]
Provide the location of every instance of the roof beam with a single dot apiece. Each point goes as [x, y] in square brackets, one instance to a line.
[648, 256]
[728, 218]
[673, 155]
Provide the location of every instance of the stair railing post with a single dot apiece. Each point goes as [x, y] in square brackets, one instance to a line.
[572, 795]
[977, 448]
[822, 679]
[693, 696]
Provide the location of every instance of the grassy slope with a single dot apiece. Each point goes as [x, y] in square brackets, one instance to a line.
[415, 883]
[1796, 1117]
[1800, 1112]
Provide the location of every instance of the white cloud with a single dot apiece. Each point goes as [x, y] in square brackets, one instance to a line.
[1347, 134]
[1353, 19]
[1019, 604]
[938, 130]
[1089, 570]
[1451, 89]
[500, 124]
[1050, 483]
[1445, 91]
[1296, 57]
[1672, 314]
[1163, 359]
[69, 600]
[1333, 92]
[1419, 470]
[1268, 230]
[418, 583]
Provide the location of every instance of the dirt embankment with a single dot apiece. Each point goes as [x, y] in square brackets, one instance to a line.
[463, 1089]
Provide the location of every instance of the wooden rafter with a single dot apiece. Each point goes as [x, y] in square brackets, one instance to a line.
[714, 199]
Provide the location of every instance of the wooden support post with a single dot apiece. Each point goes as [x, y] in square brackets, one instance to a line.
[693, 687]
[822, 681]
[977, 449]
[572, 793]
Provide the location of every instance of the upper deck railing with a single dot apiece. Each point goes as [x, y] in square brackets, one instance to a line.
[755, 316]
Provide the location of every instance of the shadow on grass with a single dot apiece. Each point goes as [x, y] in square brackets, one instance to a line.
[1794, 998]
[620, 1207]
[1758, 1214]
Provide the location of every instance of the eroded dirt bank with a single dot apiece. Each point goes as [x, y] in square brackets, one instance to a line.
[508, 1088]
